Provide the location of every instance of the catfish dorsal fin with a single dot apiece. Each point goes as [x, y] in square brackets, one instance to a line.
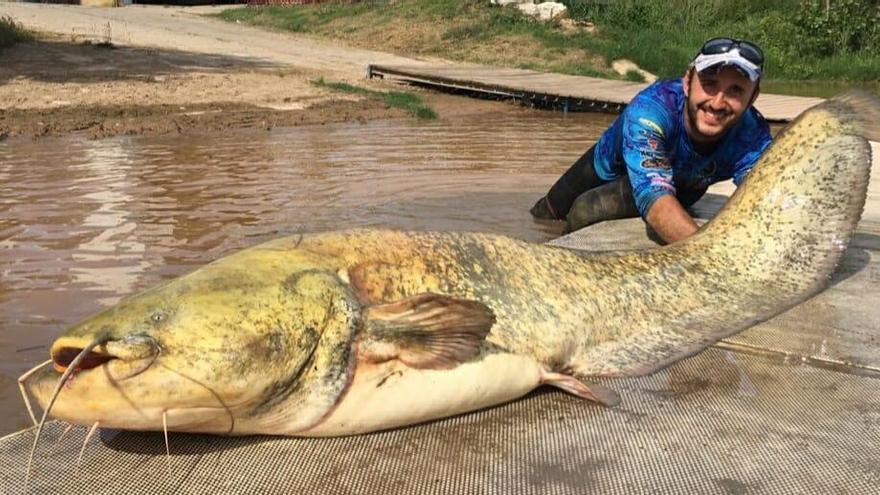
[425, 331]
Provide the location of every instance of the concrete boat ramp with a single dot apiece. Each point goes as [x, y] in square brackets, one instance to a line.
[788, 406]
[566, 92]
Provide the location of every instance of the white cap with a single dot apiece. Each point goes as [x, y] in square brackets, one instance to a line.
[732, 57]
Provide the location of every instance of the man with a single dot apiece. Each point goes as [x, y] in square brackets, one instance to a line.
[673, 140]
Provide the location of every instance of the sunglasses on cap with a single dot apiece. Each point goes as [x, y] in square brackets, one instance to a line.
[749, 51]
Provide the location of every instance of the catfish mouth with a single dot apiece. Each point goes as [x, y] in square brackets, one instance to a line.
[122, 358]
[62, 358]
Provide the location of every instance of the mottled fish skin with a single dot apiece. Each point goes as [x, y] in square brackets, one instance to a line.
[773, 245]
[257, 339]
[271, 339]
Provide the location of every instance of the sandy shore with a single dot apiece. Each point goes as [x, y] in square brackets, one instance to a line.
[143, 80]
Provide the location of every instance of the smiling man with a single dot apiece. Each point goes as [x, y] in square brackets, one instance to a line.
[673, 140]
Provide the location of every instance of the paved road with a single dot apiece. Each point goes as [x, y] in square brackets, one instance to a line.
[188, 29]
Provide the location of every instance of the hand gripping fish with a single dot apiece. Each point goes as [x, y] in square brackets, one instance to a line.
[351, 332]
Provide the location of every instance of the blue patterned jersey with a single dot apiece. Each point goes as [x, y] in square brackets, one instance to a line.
[648, 143]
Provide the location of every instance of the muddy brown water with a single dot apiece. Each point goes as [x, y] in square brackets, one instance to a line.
[84, 223]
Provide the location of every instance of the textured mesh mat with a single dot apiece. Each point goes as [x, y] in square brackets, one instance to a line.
[719, 422]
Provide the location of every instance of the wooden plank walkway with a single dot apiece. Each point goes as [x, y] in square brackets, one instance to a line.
[570, 93]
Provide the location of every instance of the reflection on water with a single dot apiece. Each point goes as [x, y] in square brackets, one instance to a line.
[84, 223]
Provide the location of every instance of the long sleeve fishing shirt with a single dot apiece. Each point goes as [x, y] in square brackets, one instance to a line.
[648, 143]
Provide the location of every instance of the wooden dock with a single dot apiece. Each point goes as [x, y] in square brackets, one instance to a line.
[568, 93]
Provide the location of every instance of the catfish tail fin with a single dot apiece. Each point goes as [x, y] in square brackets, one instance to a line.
[860, 109]
[793, 216]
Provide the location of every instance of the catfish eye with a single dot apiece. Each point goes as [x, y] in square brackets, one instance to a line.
[157, 317]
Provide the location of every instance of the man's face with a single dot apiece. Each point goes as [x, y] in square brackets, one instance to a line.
[716, 101]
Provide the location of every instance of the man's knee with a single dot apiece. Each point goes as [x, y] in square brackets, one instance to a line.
[580, 177]
[610, 201]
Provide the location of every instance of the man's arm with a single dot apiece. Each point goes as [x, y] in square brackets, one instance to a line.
[670, 220]
[647, 153]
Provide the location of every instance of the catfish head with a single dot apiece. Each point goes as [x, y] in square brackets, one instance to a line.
[253, 342]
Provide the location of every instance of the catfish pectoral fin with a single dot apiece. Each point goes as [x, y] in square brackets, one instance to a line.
[425, 331]
[590, 391]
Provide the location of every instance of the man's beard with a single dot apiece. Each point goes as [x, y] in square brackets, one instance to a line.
[692, 123]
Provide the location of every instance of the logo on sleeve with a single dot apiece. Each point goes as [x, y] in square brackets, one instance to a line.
[661, 181]
[653, 125]
[661, 163]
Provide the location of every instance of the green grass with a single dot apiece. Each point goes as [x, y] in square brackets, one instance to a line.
[634, 76]
[801, 40]
[411, 103]
[465, 30]
[11, 32]
[397, 99]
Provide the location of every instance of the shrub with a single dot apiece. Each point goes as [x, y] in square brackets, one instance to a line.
[11, 32]
[829, 27]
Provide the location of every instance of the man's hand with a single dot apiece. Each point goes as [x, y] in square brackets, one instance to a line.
[671, 222]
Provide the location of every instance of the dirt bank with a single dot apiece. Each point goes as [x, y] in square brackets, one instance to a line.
[61, 84]
[55, 86]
